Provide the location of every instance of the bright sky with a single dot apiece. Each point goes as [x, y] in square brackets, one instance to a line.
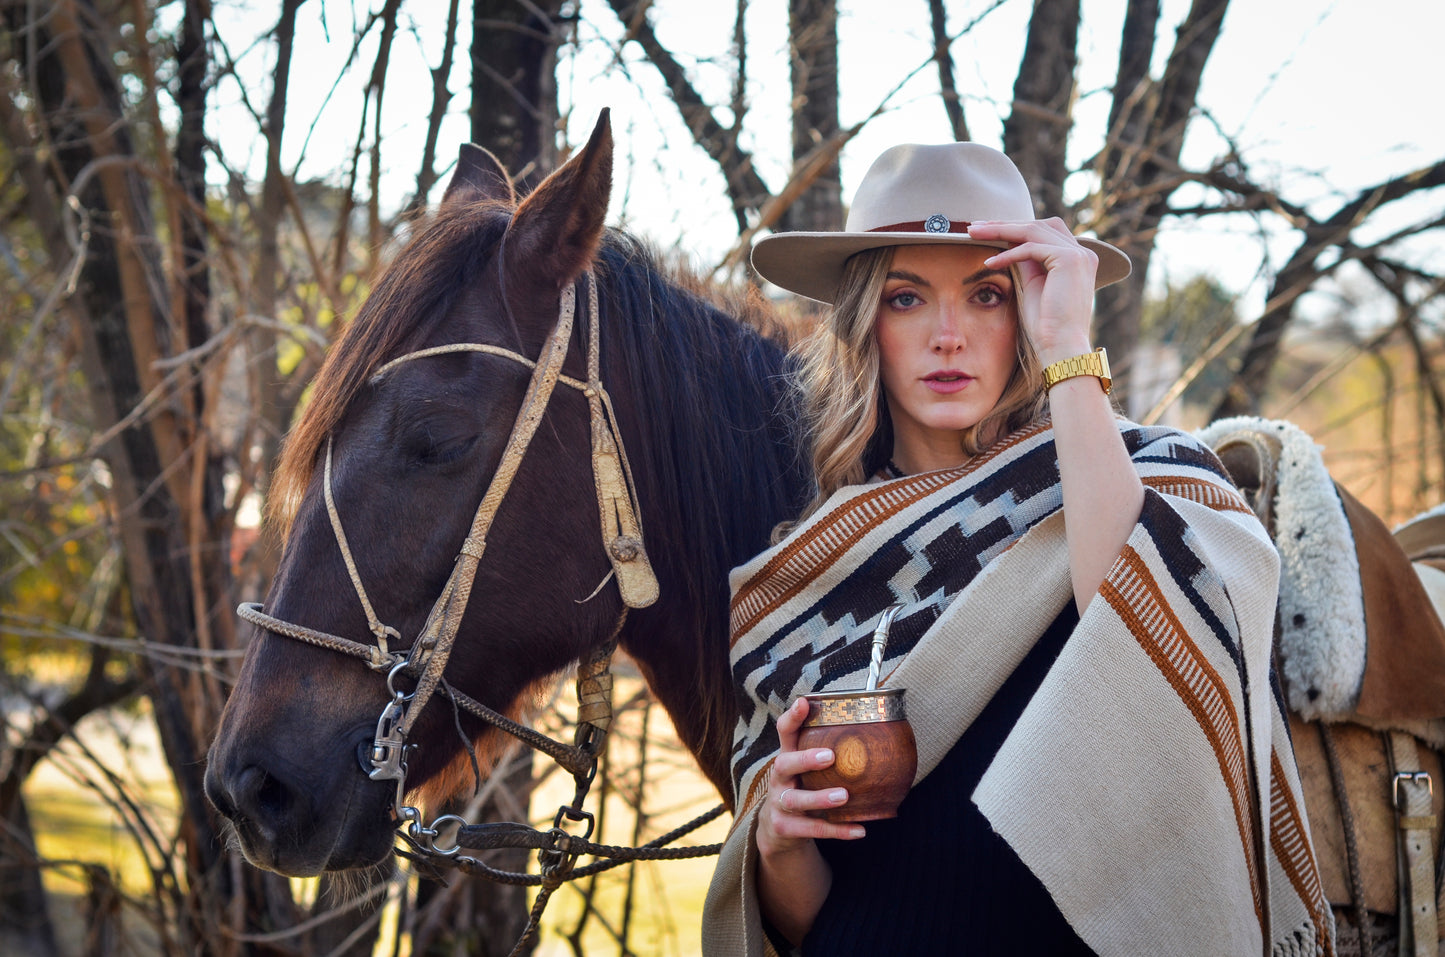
[1319, 98]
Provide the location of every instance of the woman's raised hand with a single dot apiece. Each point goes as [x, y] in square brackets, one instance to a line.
[1102, 492]
[1056, 272]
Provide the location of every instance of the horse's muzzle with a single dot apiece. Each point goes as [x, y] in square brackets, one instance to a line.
[300, 819]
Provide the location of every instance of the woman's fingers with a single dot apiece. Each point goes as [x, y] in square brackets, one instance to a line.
[1047, 242]
[791, 815]
[1037, 230]
[795, 815]
[798, 800]
[789, 764]
[1056, 274]
[790, 722]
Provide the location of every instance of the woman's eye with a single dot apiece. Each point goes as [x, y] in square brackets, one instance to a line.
[991, 296]
[903, 300]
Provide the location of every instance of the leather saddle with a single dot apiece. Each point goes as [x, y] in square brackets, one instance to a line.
[1360, 647]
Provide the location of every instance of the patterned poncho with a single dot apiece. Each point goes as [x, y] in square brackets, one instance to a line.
[1149, 784]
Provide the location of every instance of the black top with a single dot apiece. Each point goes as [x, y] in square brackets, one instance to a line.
[937, 879]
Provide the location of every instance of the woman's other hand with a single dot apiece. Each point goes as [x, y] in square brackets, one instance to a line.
[784, 823]
[1056, 275]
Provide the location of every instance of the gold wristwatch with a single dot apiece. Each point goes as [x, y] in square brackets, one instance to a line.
[1094, 363]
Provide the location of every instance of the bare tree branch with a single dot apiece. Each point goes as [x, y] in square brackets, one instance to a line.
[943, 56]
[1147, 134]
[377, 88]
[745, 187]
[740, 58]
[441, 96]
[1300, 272]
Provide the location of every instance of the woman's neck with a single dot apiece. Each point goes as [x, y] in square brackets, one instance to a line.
[912, 457]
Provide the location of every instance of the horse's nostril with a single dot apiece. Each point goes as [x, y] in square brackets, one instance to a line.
[260, 799]
[272, 797]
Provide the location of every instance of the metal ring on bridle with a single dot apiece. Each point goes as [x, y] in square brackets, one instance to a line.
[427, 836]
[396, 669]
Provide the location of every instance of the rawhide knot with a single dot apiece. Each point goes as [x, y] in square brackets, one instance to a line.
[594, 700]
[625, 548]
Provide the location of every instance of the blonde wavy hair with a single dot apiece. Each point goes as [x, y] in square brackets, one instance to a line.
[844, 409]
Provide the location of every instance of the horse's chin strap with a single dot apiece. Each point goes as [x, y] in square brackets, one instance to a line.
[622, 540]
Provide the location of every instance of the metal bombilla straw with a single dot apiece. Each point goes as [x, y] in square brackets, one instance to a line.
[880, 638]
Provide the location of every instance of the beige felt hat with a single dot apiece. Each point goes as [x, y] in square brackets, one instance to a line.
[914, 195]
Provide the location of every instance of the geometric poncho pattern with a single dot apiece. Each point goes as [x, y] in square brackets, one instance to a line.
[1149, 784]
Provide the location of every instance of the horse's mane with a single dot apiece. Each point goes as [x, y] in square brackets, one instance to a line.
[724, 466]
[412, 293]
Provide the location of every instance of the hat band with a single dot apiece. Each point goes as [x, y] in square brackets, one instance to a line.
[933, 224]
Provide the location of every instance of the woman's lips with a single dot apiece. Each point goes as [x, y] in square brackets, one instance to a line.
[947, 381]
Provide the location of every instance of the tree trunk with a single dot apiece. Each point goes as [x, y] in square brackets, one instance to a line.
[272, 403]
[514, 87]
[25, 926]
[25, 922]
[124, 325]
[813, 32]
[947, 84]
[1036, 134]
[441, 97]
[1147, 126]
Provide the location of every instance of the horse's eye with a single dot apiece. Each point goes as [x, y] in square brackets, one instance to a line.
[446, 451]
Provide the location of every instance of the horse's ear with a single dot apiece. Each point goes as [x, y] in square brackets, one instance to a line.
[479, 176]
[556, 231]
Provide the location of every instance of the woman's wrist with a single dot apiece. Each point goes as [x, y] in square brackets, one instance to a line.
[1092, 365]
[1064, 349]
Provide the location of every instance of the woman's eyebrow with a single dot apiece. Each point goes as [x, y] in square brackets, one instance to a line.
[986, 274]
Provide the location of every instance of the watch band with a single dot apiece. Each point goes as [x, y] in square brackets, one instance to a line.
[1094, 363]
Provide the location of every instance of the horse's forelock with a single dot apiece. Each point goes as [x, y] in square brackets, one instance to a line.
[412, 294]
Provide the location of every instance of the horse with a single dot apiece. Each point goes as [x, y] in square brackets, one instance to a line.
[673, 416]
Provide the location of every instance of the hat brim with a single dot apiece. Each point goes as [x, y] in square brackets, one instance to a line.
[811, 264]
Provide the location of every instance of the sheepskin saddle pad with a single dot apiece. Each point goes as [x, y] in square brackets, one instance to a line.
[1360, 634]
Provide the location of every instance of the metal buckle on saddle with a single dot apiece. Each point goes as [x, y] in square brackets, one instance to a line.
[1413, 777]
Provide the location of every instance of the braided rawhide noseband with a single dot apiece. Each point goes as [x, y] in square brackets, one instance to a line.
[426, 660]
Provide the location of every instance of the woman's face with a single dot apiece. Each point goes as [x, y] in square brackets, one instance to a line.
[947, 330]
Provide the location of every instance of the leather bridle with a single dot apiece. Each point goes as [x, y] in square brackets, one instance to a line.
[425, 661]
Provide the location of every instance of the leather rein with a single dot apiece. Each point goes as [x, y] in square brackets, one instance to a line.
[425, 661]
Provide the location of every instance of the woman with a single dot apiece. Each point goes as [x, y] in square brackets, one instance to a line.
[1088, 607]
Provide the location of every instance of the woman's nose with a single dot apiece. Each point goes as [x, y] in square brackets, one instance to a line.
[947, 333]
